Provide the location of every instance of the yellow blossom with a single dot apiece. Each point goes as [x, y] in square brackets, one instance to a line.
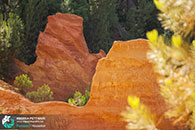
[193, 95]
[138, 116]
[177, 40]
[152, 35]
[133, 101]
[193, 43]
[158, 4]
[168, 82]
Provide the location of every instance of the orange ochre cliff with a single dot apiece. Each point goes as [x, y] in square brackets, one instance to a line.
[63, 59]
[124, 71]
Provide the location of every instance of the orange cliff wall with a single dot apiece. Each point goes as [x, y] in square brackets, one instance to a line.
[124, 71]
[63, 59]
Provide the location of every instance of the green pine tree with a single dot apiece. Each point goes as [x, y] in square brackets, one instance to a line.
[35, 19]
[142, 18]
[103, 18]
[34, 15]
[11, 36]
[78, 7]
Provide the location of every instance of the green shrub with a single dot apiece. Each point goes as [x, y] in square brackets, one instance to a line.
[173, 61]
[78, 99]
[141, 19]
[34, 15]
[1, 109]
[87, 92]
[43, 93]
[11, 35]
[23, 82]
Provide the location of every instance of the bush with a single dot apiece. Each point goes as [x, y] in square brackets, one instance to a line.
[43, 93]
[87, 92]
[78, 99]
[78, 7]
[34, 15]
[173, 60]
[141, 19]
[1, 109]
[138, 116]
[23, 82]
[11, 35]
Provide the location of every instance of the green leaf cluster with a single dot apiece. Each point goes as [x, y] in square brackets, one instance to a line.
[109, 20]
[142, 18]
[174, 60]
[43, 93]
[11, 35]
[103, 18]
[80, 8]
[103, 22]
[23, 82]
[99, 19]
[1, 109]
[78, 99]
[34, 14]
[9, 6]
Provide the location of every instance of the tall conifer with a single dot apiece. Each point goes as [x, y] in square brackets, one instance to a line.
[103, 18]
[35, 19]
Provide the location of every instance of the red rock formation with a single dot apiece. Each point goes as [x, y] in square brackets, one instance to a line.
[125, 71]
[63, 60]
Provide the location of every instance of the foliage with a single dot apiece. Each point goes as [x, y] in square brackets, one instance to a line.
[101, 25]
[1, 109]
[78, 99]
[54, 6]
[34, 15]
[8, 6]
[109, 20]
[102, 19]
[175, 61]
[142, 18]
[23, 82]
[43, 93]
[80, 8]
[87, 92]
[138, 116]
[11, 35]
[34, 21]
[178, 16]
[176, 66]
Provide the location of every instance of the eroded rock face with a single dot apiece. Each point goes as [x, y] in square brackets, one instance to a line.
[125, 71]
[63, 59]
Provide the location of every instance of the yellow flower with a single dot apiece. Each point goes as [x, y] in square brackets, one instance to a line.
[193, 43]
[133, 101]
[177, 40]
[158, 4]
[152, 35]
[193, 95]
[168, 82]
